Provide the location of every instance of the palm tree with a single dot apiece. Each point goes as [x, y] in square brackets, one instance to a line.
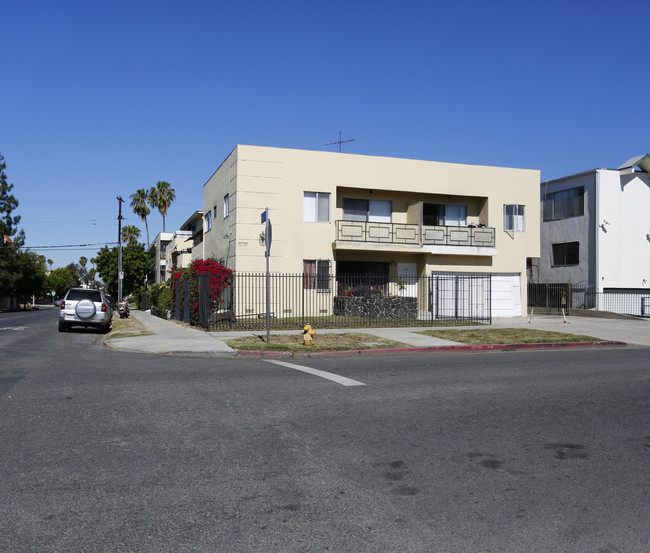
[50, 263]
[161, 197]
[139, 202]
[130, 234]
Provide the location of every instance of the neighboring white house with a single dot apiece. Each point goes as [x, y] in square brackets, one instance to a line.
[595, 231]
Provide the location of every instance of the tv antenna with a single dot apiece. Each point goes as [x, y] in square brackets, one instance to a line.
[340, 141]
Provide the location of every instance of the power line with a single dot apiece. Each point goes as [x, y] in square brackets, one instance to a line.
[70, 246]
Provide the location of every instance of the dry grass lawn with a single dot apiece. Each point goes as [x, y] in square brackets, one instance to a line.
[127, 328]
[322, 342]
[480, 336]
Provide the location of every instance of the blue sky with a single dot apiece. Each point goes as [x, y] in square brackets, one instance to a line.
[102, 98]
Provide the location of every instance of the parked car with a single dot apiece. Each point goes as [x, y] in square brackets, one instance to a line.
[87, 307]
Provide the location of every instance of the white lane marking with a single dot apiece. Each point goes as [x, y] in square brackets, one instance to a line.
[13, 328]
[329, 376]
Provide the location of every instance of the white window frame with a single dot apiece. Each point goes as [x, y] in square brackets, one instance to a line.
[208, 220]
[314, 206]
[226, 205]
[515, 221]
[316, 281]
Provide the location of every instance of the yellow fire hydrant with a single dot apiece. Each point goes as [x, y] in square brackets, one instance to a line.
[308, 334]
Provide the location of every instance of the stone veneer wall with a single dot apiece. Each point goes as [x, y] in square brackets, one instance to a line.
[384, 308]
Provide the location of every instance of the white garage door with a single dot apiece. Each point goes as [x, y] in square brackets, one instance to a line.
[506, 295]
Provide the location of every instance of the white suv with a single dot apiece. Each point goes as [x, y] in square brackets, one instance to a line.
[85, 307]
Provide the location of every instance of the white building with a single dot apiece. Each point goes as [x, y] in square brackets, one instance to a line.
[595, 231]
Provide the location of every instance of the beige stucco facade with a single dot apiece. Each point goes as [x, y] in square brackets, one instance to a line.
[253, 178]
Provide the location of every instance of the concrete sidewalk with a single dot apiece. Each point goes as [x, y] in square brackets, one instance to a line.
[173, 338]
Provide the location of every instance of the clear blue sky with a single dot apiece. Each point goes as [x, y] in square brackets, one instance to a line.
[102, 98]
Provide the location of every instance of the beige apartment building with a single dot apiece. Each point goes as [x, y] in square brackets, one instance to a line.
[346, 214]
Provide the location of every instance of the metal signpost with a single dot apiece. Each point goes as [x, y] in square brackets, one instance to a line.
[268, 234]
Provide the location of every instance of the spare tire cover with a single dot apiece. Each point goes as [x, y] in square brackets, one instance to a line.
[85, 309]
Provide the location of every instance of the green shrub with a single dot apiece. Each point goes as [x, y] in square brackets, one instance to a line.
[165, 299]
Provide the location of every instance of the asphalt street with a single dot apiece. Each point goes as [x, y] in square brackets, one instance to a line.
[115, 451]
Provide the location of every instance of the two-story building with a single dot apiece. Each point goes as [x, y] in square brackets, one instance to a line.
[346, 214]
[596, 232]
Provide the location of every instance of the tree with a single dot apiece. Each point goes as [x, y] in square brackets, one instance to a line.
[161, 197]
[8, 203]
[139, 202]
[135, 263]
[13, 261]
[78, 270]
[130, 234]
[50, 263]
[60, 280]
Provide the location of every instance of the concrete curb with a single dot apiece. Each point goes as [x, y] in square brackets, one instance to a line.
[428, 349]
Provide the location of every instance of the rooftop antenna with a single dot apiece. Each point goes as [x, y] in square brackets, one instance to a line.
[339, 142]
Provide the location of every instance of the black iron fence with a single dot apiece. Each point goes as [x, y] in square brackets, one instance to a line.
[349, 301]
[556, 298]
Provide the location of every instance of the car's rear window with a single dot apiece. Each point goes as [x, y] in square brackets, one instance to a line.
[78, 295]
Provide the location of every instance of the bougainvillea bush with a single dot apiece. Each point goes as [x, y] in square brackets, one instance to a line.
[220, 279]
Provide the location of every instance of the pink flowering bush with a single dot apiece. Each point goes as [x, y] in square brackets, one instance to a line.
[220, 278]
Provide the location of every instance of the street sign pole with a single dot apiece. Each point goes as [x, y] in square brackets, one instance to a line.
[267, 253]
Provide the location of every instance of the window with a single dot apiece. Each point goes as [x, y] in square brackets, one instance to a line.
[374, 211]
[316, 274]
[564, 204]
[514, 220]
[316, 207]
[215, 211]
[208, 220]
[566, 254]
[226, 205]
[444, 215]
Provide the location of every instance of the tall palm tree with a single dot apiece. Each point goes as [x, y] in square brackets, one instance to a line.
[139, 202]
[130, 234]
[161, 197]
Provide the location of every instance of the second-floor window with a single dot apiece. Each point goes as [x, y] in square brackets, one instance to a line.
[226, 205]
[444, 215]
[208, 220]
[316, 207]
[375, 211]
[564, 204]
[513, 218]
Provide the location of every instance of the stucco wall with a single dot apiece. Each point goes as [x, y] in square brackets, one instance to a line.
[624, 246]
[574, 229]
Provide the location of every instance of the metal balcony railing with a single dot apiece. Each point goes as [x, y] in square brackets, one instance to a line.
[402, 233]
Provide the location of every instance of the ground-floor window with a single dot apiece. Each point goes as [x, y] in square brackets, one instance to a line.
[316, 274]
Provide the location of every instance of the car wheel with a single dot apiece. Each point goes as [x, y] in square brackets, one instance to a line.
[61, 327]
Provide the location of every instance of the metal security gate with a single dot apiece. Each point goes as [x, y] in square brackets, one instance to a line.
[460, 297]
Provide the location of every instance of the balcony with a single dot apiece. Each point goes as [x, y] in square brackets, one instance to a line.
[429, 239]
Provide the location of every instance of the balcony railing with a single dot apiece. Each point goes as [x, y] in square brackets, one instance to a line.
[401, 233]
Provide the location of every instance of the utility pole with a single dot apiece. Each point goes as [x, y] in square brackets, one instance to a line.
[119, 250]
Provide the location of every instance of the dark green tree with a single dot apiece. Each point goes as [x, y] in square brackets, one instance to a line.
[60, 280]
[135, 263]
[8, 203]
[13, 261]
